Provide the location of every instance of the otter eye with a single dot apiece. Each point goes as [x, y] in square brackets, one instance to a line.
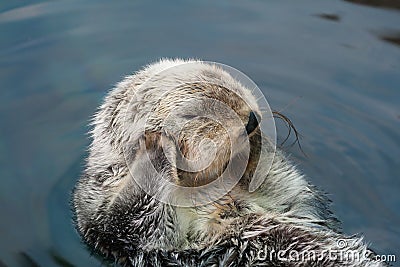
[252, 123]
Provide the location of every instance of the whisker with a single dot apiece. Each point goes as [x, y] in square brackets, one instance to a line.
[290, 126]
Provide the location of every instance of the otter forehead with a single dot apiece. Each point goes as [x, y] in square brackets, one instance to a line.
[192, 89]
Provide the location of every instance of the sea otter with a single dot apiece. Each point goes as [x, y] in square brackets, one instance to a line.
[161, 137]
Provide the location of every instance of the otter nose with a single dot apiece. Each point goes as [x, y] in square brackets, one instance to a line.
[252, 123]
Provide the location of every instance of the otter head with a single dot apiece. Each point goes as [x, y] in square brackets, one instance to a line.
[158, 131]
[209, 124]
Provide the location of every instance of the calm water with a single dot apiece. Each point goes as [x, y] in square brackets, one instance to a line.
[335, 78]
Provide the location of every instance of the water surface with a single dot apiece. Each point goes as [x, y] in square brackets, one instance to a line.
[323, 64]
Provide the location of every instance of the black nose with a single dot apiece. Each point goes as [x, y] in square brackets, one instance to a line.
[252, 123]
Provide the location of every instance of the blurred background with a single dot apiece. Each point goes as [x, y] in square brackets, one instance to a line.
[333, 67]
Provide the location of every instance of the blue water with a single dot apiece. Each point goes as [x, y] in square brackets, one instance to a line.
[336, 79]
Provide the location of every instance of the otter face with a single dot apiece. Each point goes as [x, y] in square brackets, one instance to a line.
[209, 124]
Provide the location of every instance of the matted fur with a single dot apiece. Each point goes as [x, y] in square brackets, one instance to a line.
[117, 219]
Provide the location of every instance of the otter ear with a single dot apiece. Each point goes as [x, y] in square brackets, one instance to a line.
[154, 163]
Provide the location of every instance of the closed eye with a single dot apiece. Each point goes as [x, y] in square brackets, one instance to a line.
[189, 116]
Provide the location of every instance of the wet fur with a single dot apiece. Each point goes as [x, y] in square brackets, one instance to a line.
[118, 220]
